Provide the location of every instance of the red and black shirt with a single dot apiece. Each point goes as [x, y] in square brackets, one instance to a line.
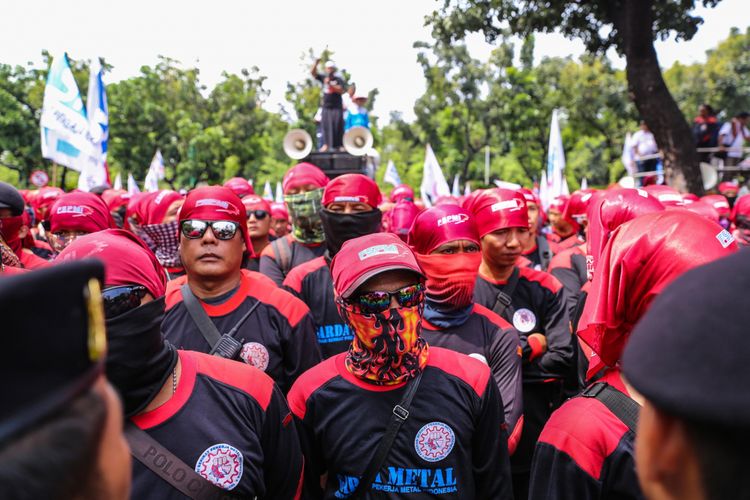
[585, 452]
[299, 253]
[278, 336]
[313, 284]
[569, 267]
[231, 423]
[492, 340]
[538, 306]
[451, 446]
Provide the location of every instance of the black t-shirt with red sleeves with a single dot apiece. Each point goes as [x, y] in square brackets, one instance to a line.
[489, 338]
[538, 306]
[569, 267]
[299, 253]
[231, 424]
[452, 444]
[278, 337]
[313, 284]
[585, 452]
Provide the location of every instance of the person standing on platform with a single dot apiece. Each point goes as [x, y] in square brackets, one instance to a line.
[332, 117]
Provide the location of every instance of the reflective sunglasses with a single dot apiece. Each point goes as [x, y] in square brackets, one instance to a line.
[223, 229]
[259, 214]
[121, 299]
[377, 301]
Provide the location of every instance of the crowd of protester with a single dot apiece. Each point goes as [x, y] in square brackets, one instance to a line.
[344, 344]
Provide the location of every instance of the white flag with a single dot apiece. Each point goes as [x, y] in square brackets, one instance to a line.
[456, 190]
[467, 189]
[95, 170]
[555, 160]
[391, 174]
[433, 180]
[507, 185]
[279, 193]
[155, 173]
[132, 185]
[584, 183]
[118, 181]
[65, 135]
[267, 193]
[544, 193]
[627, 155]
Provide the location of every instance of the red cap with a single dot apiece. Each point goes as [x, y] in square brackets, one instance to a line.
[355, 188]
[155, 207]
[612, 209]
[719, 202]
[240, 186]
[498, 208]
[216, 203]
[668, 196]
[400, 218]
[127, 260]
[279, 211]
[115, 198]
[741, 207]
[728, 188]
[80, 212]
[439, 225]
[301, 174]
[362, 258]
[704, 209]
[642, 258]
[255, 202]
[400, 192]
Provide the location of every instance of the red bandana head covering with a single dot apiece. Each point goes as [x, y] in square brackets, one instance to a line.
[155, 207]
[255, 202]
[728, 189]
[387, 347]
[279, 211]
[719, 202]
[577, 206]
[240, 186]
[402, 192]
[741, 219]
[302, 174]
[703, 209]
[79, 211]
[137, 206]
[356, 188]
[688, 198]
[498, 208]
[741, 208]
[450, 277]
[666, 195]
[216, 203]
[127, 260]
[612, 209]
[400, 218]
[558, 204]
[115, 198]
[640, 260]
[42, 201]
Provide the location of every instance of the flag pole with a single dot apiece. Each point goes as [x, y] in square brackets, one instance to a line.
[487, 164]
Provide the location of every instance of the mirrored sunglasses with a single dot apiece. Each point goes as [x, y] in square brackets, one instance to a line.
[379, 301]
[121, 299]
[193, 229]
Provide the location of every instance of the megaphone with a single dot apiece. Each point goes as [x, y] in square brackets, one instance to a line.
[358, 141]
[297, 144]
[709, 174]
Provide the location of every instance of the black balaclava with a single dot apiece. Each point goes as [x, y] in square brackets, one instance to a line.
[339, 227]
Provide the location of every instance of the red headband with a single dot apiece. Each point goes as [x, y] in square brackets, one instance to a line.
[400, 218]
[255, 202]
[498, 208]
[741, 207]
[155, 208]
[115, 198]
[703, 209]
[279, 211]
[80, 211]
[302, 174]
[355, 188]
[719, 202]
[240, 186]
[137, 207]
[439, 225]
[400, 192]
[666, 195]
[216, 203]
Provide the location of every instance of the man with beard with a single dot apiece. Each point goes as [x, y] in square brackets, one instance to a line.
[60, 421]
[220, 308]
[394, 417]
[160, 225]
[350, 209]
[199, 426]
[14, 226]
[303, 190]
[446, 244]
[534, 303]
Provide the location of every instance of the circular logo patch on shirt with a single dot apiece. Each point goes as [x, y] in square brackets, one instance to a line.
[255, 354]
[222, 465]
[478, 356]
[524, 320]
[434, 441]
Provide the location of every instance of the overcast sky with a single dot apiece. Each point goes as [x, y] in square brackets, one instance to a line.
[371, 39]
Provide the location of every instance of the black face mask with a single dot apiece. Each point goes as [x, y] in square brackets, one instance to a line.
[339, 227]
[139, 360]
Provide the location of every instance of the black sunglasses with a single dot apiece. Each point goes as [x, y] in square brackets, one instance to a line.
[121, 299]
[193, 229]
[259, 214]
[377, 301]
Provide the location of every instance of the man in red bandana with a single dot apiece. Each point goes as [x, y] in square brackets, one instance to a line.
[135, 216]
[279, 220]
[242, 314]
[537, 248]
[117, 202]
[741, 220]
[534, 302]
[565, 228]
[444, 409]
[446, 243]
[400, 217]
[350, 209]
[258, 213]
[246, 445]
[159, 223]
[14, 226]
[303, 191]
[76, 214]
[240, 186]
[721, 204]
[586, 448]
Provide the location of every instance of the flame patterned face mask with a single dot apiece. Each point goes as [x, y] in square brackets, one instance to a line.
[304, 211]
[387, 348]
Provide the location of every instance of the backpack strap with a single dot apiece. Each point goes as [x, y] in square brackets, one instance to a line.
[618, 403]
[545, 252]
[504, 300]
[283, 251]
[580, 268]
